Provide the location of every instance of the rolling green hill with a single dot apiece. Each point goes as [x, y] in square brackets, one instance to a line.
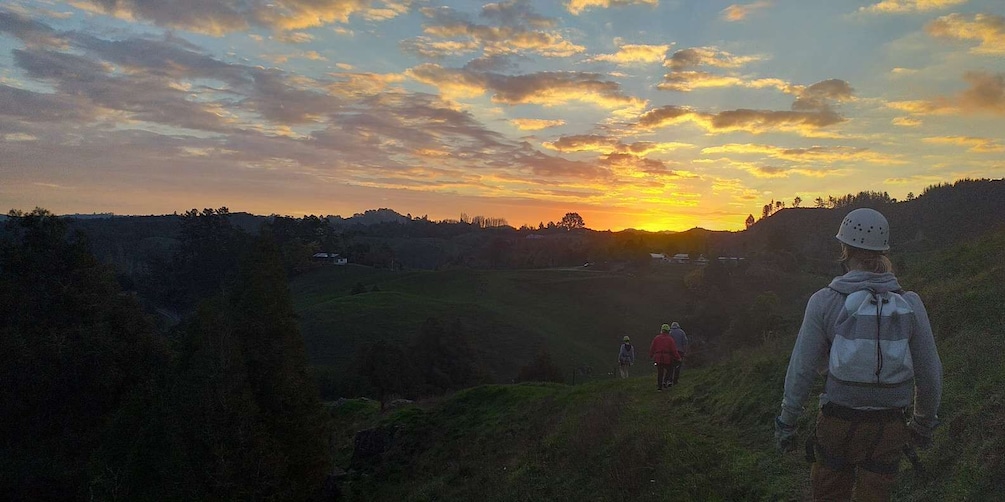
[578, 315]
[709, 438]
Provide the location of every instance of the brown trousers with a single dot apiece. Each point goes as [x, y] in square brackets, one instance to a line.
[856, 460]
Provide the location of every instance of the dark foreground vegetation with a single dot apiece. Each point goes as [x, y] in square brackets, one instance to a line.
[203, 356]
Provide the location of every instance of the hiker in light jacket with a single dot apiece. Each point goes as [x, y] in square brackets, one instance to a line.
[626, 357]
[663, 351]
[860, 430]
[680, 339]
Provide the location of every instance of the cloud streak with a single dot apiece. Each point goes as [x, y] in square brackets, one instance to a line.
[989, 29]
[685, 75]
[543, 88]
[811, 111]
[985, 95]
[577, 7]
[909, 6]
[739, 12]
[219, 17]
[516, 29]
[629, 54]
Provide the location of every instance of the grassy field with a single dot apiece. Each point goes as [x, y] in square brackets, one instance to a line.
[578, 315]
[707, 439]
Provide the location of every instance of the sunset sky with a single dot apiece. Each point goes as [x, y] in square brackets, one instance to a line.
[649, 114]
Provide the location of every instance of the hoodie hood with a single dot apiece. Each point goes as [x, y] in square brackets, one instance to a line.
[857, 280]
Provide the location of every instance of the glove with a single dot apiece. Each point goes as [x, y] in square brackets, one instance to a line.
[921, 435]
[785, 436]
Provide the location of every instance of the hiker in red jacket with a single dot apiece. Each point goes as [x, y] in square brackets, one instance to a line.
[663, 352]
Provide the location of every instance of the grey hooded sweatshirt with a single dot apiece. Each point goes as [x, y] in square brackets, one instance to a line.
[812, 351]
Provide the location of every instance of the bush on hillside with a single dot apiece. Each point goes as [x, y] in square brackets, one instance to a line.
[541, 369]
[444, 359]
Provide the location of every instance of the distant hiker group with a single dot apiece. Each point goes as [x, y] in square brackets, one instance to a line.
[666, 350]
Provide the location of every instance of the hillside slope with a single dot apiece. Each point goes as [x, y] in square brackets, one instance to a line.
[709, 438]
[578, 315]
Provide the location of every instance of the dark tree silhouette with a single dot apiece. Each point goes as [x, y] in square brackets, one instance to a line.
[80, 366]
[386, 368]
[572, 221]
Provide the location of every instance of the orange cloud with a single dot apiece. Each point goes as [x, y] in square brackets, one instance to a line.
[987, 28]
[348, 84]
[576, 7]
[814, 153]
[810, 111]
[979, 145]
[686, 81]
[685, 77]
[636, 54]
[219, 17]
[670, 115]
[436, 49]
[609, 144]
[905, 122]
[295, 37]
[738, 12]
[707, 56]
[535, 124]
[519, 30]
[905, 6]
[769, 171]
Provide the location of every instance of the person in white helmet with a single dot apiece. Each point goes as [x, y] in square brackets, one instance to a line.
[679, 338]
[874, 341]
[626, 357]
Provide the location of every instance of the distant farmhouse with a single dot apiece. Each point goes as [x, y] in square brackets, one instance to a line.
[333, 258]
[729, 260]
[701, 260]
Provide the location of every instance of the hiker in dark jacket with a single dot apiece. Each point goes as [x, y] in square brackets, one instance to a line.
[626, 357]
[663, 351]
[875, 342]
[680, 339]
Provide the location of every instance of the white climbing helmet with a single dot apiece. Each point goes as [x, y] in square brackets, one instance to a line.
[865, 228]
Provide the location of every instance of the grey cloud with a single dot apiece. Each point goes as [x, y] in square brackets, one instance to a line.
[494, 63]
[46, 64]
[31, 32]
[170, 57]
[218, 17]
[685, 58]
[516, 28]
[41, 107]
[986, 92]
[207, 16]
[659, 115]
[276, 101]
[818, 95]
[516, 13]
[146, 98]
[647, 165]
[552, 167]
[517, 89]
